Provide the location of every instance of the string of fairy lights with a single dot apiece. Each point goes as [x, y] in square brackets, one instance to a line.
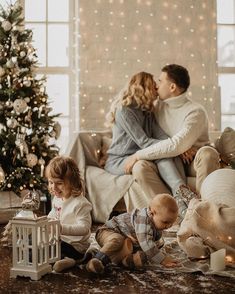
[118, 38]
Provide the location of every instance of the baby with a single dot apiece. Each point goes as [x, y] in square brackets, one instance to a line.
[132, 239]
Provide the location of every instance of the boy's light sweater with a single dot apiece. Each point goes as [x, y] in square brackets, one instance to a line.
[184, 121]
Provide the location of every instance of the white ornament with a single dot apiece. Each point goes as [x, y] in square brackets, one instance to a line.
[14, 59]
[32, 159]
[6, 25]
[27, 83]
[9, 103]
[20, 105]
[22, 54]
[9, 63]
[27, 99]
[12, 123]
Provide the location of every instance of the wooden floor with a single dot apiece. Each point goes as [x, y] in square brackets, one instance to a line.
[115, 280]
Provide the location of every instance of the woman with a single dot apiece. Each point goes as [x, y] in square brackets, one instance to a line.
[135, 127]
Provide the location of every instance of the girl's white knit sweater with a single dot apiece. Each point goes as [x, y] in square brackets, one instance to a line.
[74, 214]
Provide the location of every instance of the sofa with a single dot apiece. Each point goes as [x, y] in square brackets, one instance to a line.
[105, 191]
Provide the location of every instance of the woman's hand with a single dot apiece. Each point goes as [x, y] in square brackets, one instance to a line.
[189, 155]
[129, 163]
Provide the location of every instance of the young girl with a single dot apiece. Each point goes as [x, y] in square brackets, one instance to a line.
[134, 127]
[71, 208]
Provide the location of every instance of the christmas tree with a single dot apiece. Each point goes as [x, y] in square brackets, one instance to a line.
[27, 130]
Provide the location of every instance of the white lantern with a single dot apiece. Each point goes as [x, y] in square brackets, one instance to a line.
[36, 244]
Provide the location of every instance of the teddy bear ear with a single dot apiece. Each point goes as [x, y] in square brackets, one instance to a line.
[226, 145]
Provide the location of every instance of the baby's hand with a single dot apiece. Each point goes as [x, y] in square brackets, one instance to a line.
[168, 261]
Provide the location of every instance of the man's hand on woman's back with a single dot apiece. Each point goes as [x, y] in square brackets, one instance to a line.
[189, 155]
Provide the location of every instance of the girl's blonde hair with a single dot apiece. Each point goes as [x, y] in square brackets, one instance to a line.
[139, 92]
[66, 169]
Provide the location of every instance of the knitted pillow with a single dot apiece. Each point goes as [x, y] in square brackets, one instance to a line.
[226, 145]
[219, 187]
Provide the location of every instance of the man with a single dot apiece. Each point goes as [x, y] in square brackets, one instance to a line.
[186, 124]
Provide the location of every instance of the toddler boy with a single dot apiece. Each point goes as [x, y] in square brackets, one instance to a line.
[134, 238]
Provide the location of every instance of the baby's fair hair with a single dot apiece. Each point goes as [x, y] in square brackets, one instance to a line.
[165, 203]
[66, 169]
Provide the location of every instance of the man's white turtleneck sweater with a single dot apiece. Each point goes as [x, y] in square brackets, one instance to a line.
[186, 124]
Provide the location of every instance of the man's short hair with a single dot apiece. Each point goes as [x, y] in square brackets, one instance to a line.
[178, 75]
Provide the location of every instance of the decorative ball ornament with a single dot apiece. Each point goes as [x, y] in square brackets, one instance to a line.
[27, 83]
[22, 54]
[20, 105]
[9, 103]
[12, 123]
[14, 59]
[27, 99]
[10, 63]
[6, 25]
[32, 159]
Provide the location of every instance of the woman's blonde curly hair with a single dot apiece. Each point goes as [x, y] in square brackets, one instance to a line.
[139, 92]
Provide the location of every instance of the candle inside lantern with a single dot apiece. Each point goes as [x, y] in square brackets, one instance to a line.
[42, 170]
[217, 260]
[21, 150]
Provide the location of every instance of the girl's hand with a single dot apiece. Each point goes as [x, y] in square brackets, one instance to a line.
[168, 261]
[129, 163]
[189, 155]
